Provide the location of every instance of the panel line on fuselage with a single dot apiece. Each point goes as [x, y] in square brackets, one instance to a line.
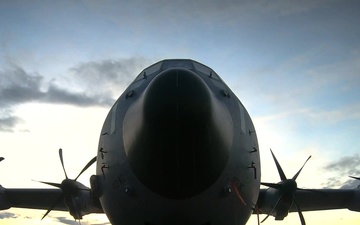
[113, 119]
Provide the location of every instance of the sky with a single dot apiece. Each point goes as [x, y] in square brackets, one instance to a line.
[295, 65]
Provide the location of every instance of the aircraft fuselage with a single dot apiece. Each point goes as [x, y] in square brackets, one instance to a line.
[178, 147]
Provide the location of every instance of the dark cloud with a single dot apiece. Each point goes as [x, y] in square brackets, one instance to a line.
[58, 96]
[338, 182]
[105, 79]
[347, 164]
[64, 220]
[344, 167]
[95, 83]
[351, 183]
[18, 86]
[333, 182]
[6, 215]
[7, 123]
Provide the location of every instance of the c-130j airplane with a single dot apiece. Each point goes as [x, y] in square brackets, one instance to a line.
[178, 147]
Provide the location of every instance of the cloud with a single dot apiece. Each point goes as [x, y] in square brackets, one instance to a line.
[347, 112]
[6, 215]
[94, 83]
[65, 220]
[227, 11]
[342, 168]
[336, 182]
[7, 123]
[322, 93]
[58, 95]
[349, 184]
[18, 86]
[107, 77]
[345, 164]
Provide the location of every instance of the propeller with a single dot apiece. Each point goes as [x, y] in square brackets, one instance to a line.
[287, 188]
[357, 178]
[69, 187]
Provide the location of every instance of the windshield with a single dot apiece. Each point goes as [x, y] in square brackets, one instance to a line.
[181, 63]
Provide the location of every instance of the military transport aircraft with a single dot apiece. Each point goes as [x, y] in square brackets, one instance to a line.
[178, 147]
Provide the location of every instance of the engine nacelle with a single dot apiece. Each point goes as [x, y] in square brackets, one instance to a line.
[282, 206]
[81, 202]
[77, 204]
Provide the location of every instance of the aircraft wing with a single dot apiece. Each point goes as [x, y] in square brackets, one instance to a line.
[324, 199]
[313, 199]
[47, 199]
[31, 198]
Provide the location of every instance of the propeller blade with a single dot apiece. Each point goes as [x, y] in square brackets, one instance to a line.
[56, 202]
[1, 159]
[272, 210]
[267, 216]
[302, 219]
[78, 216]
[86, 167]
[281, 172]
[51, 184]
[286, 187]
[297, 174]
[272, 185]
[69, 189]
[62, 162]
[357, 178]
[257, 214]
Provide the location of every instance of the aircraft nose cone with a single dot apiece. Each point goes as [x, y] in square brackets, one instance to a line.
[177, 135]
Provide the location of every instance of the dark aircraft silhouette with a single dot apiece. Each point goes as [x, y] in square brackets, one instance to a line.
[178, 147]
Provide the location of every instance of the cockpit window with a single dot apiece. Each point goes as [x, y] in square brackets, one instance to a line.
[181, 63]
[178, 63]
